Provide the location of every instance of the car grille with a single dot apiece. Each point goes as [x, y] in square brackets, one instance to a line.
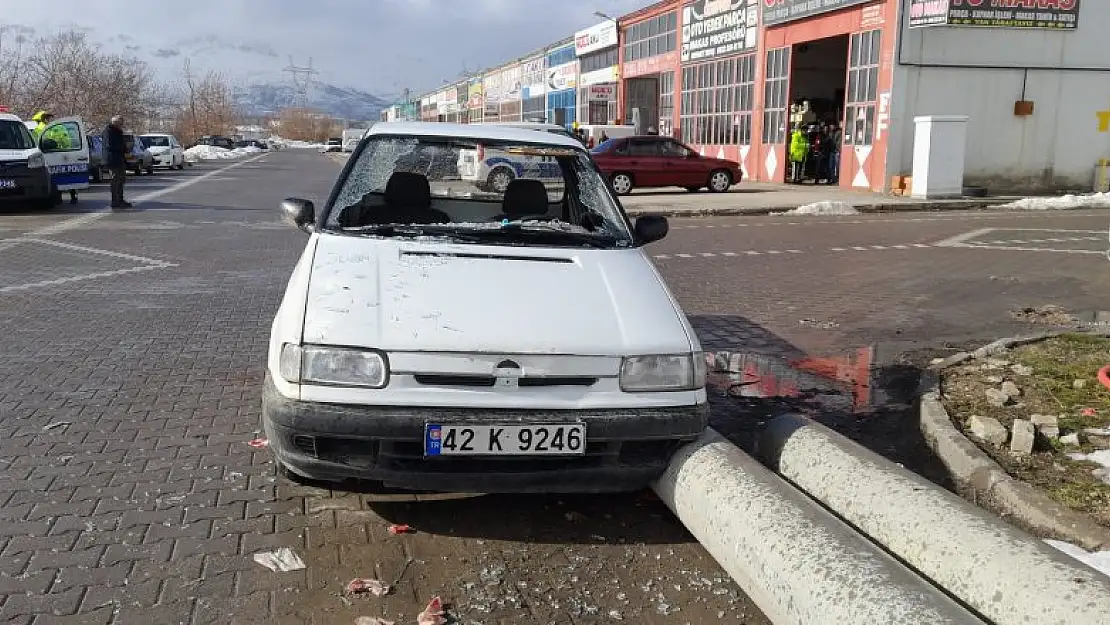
[10, 167]
[488, 381]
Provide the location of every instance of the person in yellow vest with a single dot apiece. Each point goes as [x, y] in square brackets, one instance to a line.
[798, 151]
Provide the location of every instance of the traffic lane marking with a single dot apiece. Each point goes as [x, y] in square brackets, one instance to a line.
[709, 223]
[864, 248]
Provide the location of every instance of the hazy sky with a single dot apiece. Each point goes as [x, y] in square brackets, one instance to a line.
[381, 46]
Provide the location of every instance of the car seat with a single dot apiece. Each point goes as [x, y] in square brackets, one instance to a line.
[407, 200]
[524, 198]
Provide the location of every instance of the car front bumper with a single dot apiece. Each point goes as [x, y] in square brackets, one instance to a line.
[164, 161]
[625, 448]
[30, 184]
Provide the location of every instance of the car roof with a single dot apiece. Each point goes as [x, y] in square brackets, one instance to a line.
[495, 132]
[8, 117]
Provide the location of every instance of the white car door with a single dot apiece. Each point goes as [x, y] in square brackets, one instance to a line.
[69, 165]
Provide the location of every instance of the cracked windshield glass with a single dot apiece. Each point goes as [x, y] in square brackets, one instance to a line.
[576, 312]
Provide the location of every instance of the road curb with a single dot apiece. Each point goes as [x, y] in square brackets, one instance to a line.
[798, 563]
[983, 480]
[890, 207]
[997, 570]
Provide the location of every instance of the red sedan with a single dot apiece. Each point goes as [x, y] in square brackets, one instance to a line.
[654, 161]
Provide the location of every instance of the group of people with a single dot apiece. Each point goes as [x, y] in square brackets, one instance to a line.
[115, 150]
[814, 152]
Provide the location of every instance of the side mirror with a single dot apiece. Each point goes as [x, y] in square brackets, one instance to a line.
[650, 228]
[302, 213]
[48, 145]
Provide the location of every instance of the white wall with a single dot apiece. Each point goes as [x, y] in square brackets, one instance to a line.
[1056, 147]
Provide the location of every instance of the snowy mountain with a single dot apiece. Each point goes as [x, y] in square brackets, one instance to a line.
[343, 102]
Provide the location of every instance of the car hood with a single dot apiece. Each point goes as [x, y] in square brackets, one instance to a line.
[404, 295]
[160, 149]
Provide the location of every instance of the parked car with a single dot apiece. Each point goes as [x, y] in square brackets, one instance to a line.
[166, 150]
[97, 168]
[430, 338]
[656, 161]
[334, 144]
[24, 177]
[247, 143]
[218, 141]
[138, 157]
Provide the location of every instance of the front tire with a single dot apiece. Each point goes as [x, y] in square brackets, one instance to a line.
[150, 170]
[499, 179]
[622, 183]
[720, 181]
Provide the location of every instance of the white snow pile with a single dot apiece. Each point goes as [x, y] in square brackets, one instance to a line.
[213, 153]
[1098, 560]
[1063, 202]
[278, 142]
[824, 207]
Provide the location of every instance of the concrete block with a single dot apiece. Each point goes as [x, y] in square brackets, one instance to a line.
[1022, 436]
[987, 429]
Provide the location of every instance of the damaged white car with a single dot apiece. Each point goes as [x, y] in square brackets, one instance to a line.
[434, 337]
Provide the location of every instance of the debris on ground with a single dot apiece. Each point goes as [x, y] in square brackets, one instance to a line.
[400, 529]
[434, 614]
[283, 560]
[259, 443]
[55, 425]
[372, 620]
[375, 587]
[1045, 401]
[1049, 314]
[825, 207]
[824, 325]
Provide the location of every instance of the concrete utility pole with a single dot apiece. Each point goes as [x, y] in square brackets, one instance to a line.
[302, 79]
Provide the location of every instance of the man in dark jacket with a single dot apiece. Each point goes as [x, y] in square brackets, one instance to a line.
[114, 150]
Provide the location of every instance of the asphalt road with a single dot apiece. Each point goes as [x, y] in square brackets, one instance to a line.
[132, 353]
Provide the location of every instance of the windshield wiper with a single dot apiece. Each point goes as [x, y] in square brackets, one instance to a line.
[387, 230]
[537, 230]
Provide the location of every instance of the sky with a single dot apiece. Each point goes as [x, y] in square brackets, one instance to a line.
[381, 46]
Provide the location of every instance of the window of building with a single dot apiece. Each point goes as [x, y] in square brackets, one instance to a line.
[561, 56]
[651, 37]
[597, 60]
[595, 112]
[535, 109]
[774, 95]
[510, 111]
[666, 103]
[863, 88]
[561, 107]
[717, 102]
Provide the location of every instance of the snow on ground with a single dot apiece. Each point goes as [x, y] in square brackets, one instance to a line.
[1063, 202]
[1099, 560]
[824, 207]
[1100, 457]
[278, 142]
[213, 153]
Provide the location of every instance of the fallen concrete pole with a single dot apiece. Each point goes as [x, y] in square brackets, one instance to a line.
[797, 562]
[1006, 575]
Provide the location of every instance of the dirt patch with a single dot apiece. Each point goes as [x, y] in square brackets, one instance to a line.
[1053, 378]
[1049, 314]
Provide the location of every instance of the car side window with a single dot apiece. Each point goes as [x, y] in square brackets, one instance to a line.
[68, 140]
[639, 147]
[620, 148]
[675, 149]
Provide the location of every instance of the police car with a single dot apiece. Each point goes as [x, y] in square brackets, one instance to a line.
[36, 173]
[492, 170]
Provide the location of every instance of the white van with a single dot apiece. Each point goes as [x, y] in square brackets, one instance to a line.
[492, 170]
[351, 137]
[37, 172]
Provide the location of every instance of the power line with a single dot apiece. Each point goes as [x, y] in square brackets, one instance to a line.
[302, 79]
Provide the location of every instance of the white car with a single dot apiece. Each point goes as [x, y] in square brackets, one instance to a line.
[430, 338]
[166, 149]
[489, 169]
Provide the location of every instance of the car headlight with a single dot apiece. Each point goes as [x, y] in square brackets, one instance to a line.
[36, 161]
[333, 366]
[668, 372]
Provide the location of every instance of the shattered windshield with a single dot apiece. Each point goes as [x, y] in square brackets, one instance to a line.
[478, 191]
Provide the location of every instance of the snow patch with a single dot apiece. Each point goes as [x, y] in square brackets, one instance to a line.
[278, 142]
[1098, 560]
[213, 153]
[824, 207]
[1100, 457]
[1063, 202]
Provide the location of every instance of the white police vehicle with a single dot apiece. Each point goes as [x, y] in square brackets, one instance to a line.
[493, 170]
[37, 173]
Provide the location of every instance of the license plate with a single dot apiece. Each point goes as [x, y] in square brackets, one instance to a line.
[568, 439]
[7, 183]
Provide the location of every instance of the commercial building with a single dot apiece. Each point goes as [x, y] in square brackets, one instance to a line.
[598, 56]
[1026, 81]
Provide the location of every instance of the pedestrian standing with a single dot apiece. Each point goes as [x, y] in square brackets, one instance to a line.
[114, 150]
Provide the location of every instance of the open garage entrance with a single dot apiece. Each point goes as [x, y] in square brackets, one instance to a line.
[818, 77]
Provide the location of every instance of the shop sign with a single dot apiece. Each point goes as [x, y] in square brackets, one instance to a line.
[596, 37]
[510, 84]
[598, 76]
[651, 65]
[782, 11]
[492, 83]
[602, 93]
[532, 78]
[1047, 14]
[475, 96]
[562, 76]
[716, 28]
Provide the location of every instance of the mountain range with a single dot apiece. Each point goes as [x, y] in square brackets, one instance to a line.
[267, 98]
